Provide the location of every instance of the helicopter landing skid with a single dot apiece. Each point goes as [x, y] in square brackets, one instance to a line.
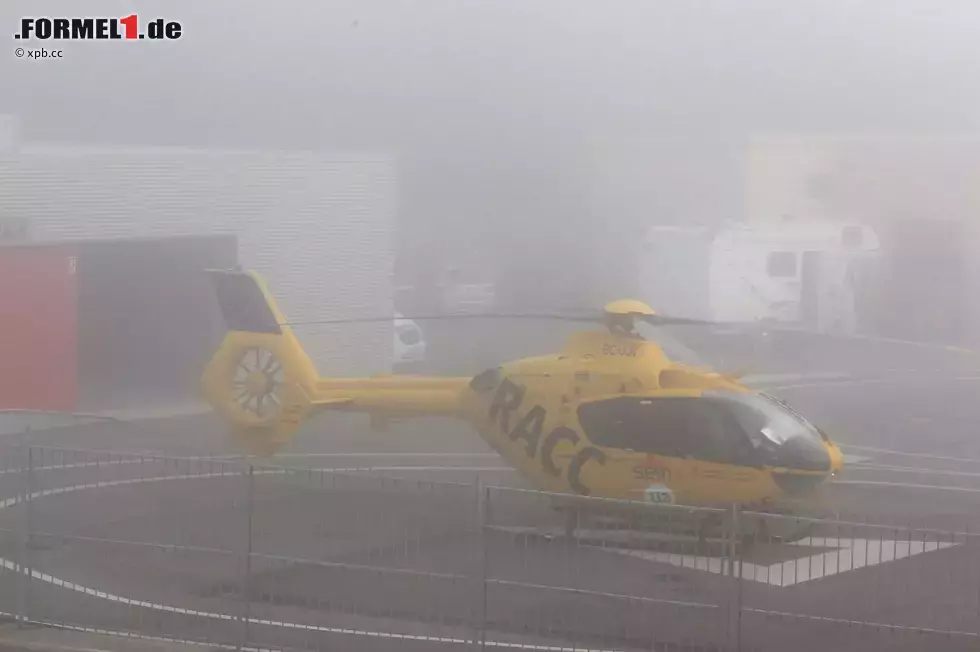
[773, 527]
[707, 529]
[604, 530]
[617, 539]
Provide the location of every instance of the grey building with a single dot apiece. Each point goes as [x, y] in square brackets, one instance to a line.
[318, 226]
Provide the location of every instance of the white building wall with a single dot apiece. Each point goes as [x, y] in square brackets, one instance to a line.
[320, 228]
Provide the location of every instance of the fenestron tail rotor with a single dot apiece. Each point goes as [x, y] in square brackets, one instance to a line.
[258, 382]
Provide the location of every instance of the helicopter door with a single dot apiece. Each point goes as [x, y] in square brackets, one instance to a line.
[717, 453]
[668, 448]
[643, 459]
[700, 436]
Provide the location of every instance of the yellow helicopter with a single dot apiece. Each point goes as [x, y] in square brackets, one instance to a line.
[610, 416]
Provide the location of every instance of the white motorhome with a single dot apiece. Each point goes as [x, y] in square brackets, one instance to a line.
[802, 272]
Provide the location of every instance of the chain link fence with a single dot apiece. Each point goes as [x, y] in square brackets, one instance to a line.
[239, 555]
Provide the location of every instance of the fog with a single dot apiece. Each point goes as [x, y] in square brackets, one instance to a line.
[541, 139]
[377, 72]
[445, 188]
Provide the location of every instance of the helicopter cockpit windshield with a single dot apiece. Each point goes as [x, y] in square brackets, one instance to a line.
[767, 421]
[720, 426]
[782, 435]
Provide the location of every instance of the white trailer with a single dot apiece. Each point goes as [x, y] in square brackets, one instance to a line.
[800, 272]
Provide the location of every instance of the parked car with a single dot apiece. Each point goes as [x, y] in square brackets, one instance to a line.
[409, 345]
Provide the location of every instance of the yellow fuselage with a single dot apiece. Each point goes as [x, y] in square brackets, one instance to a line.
[530, 411]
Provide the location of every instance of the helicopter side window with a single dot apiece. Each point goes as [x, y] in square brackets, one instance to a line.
[674, 427]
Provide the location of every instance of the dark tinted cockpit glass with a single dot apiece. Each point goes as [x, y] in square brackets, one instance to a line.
[670, 426]
[718, 427]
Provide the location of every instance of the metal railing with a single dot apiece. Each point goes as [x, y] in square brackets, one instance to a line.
[239, 555]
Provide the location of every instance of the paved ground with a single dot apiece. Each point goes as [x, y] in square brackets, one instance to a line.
[342, 556]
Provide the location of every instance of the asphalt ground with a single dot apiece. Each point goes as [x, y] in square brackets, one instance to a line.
[343, 559]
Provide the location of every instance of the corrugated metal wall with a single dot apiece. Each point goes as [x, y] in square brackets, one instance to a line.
[320, 228]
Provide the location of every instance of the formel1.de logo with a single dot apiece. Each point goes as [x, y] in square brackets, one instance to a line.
[84, 29]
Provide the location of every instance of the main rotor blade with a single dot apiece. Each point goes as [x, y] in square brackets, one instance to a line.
[588, 318]
[595, 317]
[667, 320]
[591, 318]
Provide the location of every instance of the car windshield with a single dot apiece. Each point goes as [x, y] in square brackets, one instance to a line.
[767, 421]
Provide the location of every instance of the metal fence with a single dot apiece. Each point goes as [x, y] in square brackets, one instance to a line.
[237, 555]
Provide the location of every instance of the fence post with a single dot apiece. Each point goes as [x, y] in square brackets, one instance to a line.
[479, 634]
[22, 533]
[735, 570]
[27, 529]
[244, 584]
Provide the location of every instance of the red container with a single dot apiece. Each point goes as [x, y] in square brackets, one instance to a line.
[38, 309]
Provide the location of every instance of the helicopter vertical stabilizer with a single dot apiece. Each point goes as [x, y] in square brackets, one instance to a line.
[260, 378]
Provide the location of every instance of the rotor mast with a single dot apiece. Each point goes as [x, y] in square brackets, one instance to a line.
[620, 316]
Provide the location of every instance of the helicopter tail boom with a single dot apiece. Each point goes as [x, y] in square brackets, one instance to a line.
[263, 382]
